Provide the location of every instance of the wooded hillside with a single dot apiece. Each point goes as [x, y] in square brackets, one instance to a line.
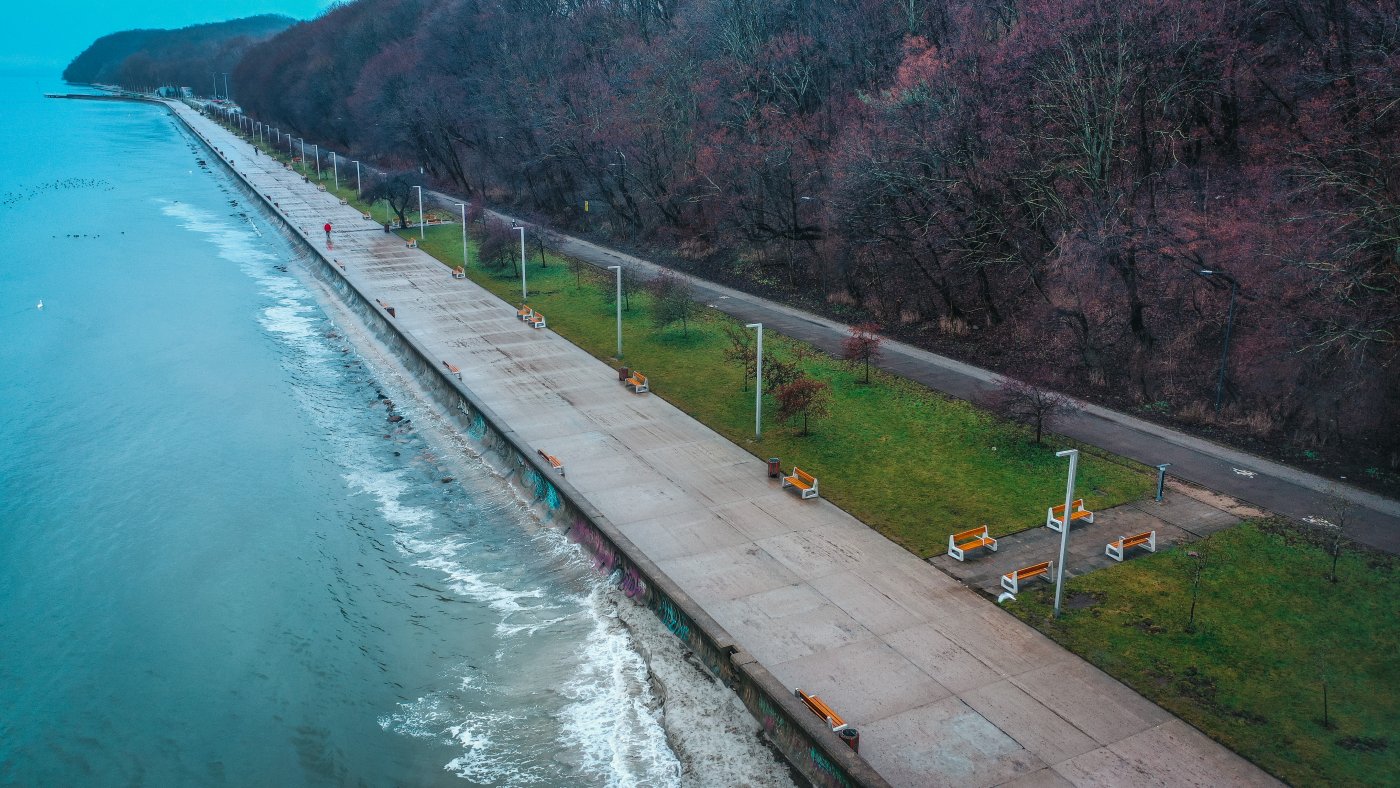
[188, 56]
[1032, 185]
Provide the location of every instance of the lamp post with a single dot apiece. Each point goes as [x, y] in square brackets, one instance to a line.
[421, 233]
[335, 168]
[524, 289]
[1073, 455]
[302, 142]
[316, 151]
[216, 85]
[225, 85]
[463, 206]
[618, 298]
[1229, 324]
[358, 190]
[758, 383]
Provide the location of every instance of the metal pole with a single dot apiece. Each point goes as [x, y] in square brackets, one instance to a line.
[358, 190]
[1225, 351]
[335, 168]
[1073, 455]
[216, 84]
[618, 298]
[421, 232]
[1162, 478]
[463, 206]
[524, 290]
[225, 85]
[316, 151]
[302, 142]
[758, 383]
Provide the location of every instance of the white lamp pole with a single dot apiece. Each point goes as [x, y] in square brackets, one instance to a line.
[524, 289]
[618, 269]
[301, 141]
[316, 151]
[463, 206]
[1073, 455]
[357, 178]
[335, 168]
[420, 212]
[758, 384]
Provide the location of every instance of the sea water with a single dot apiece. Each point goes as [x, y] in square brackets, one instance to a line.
[222, 564]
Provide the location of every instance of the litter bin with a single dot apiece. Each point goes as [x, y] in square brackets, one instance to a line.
[851, 737]
[775, 467]
[623, 373]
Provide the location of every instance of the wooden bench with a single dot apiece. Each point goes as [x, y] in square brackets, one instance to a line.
[804, 482]
[459, 273]
[453, 368]
[554, 462]
[412, 243]
[638, 382]
[386, 307]
[1011, 581]
[524, 312]
[366, 215]
[1115, 550]
[1055, 515]
[971, 539]
[818, 707]
[537, 320]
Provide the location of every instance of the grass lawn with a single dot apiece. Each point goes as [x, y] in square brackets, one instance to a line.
[913, 464]
[1270, 630]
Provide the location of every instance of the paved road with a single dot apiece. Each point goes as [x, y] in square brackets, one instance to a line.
[1374, 521]
[946, 688]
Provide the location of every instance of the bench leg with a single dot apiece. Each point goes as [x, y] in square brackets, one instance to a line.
[955, 553]
[1116, 555]
[1009, 583]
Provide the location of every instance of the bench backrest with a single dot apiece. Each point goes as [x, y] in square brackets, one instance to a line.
[1078, 504]
[803, 475]
[974, 533]
[1129, 541]
[1034, 569]
[639, 377]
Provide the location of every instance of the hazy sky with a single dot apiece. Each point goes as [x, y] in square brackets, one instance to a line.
[48, 34]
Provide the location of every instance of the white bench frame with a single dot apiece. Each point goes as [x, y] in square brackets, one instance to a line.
[1011, 583]
[959, 552]
[536, 320]
[645, 385]
[805, 492]
[1115, 549]
[1053, 523]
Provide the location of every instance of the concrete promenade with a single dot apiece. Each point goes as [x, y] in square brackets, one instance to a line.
[945, 688]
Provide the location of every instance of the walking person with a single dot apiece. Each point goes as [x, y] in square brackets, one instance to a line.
[328, 233]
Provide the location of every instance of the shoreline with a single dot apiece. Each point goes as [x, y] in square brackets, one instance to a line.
[827, 761]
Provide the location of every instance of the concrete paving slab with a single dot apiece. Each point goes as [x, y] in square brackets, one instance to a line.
[1039, 729]
[1044, 778]
[787, 623]
[888, 684]
[1157, 751]
[941, 658]
[945, 743]
[1107, 712]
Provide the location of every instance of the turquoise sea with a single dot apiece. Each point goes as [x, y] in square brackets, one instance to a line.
[221, 564]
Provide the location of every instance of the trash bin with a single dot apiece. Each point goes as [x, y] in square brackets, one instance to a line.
[851, 737]
[775, 467]
[623, 373]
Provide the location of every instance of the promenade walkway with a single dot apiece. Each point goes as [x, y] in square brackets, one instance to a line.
[945, 688]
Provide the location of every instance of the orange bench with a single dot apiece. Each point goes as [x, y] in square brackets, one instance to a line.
[819, 708]
[412, 243]
[638, 382]
[524, 312]
[804, 482]
[1055, 515]
[454, 369]
[1116, 549]
[971, 539]
[1011, 581]
[536, 320]
[459, 273]
[554, 462]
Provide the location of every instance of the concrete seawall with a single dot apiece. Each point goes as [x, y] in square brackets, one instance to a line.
[808, 745]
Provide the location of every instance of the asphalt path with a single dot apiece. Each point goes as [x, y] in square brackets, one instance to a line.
[1370, 519]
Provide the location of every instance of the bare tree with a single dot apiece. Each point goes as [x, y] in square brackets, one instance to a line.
[1334, 533]
[1030, 405]
[863, 346]
[396, 189]
[671, 301]
[805, 397]
[741, 350]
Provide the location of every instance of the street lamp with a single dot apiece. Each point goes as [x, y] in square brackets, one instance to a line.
[302, 142]
[618, 298]
[1073, 455]
[335, 168]
[421, 233]
[357, 178]
[524, 289]
[758, 383]
[225, 85]
[316, 151]
[1229, 324]
[463, 206]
